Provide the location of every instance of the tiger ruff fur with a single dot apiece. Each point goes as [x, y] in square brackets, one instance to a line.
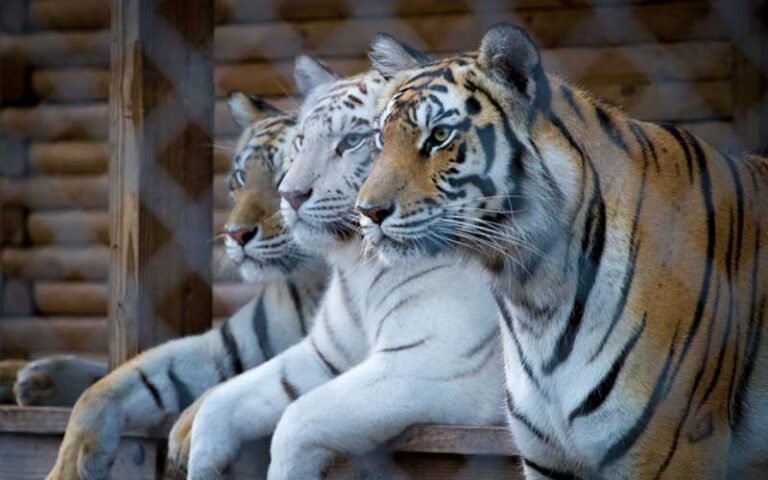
[391, 347]
[630, 258]
[165, 380]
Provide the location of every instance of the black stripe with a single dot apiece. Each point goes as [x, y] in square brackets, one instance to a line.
[403, 301]
[520, 417]
[623, 444]
[290, 390]
[548, 472]
[723, 347]
[346, 297]
[734, 369]
[739, 188]
[629, 272]
[683, 145]
[337, 345]
[482, 344]
[568, 96]
[696, 382]
[610, 128]
[259, 324]
[183, 394]
[297, 305]
[487, 137]
[406, 346]
[646, 144]
[408, 280]
[230, 345]
[593, 243]
[378, 277]
[706, 192]
[152, 389]
[328, 365]
[507, 317]
[602, 390]
[754, 337]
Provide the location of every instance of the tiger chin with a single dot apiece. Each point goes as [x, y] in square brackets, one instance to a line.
[172, 378]
[630, 259]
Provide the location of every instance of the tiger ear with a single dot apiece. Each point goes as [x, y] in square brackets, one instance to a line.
[309, 73]
[390, 57]
[509, 55]
[247, 109]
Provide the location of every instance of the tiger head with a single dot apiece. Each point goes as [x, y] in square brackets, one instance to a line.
[332, 154]
[455, 155]
[254, 235]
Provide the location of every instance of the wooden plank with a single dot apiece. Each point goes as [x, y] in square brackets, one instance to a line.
[68, 228]
[13, 16]
[161, 117]
[750, 81]
[57, 263]
[13, 152]
[68, 157]
[16, 297]
[638, 63]
[12, 231]
[30, 457]
[90, 298]
[83, 157]
[76, 191]
[66, 14]
[562, 27]
[26, 335]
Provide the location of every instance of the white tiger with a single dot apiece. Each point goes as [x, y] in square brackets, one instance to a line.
[164, 380]
[391, 347]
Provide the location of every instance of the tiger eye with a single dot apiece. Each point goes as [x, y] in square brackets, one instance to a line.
[441, 134]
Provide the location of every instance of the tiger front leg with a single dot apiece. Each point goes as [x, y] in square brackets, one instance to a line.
[352, 415]
[179, 441]
[248, 408]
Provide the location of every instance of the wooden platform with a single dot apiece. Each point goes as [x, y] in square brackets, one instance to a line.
[29, 440]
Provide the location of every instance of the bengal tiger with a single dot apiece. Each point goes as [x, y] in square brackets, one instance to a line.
[165, 380]
[630, 260]
[390, 347]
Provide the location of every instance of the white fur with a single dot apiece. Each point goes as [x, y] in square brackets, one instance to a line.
[413, 344]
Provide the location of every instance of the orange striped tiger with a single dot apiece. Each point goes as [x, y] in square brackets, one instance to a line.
[630, 257]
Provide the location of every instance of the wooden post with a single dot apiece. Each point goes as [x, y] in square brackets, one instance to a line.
[750, 75]
[160, 172]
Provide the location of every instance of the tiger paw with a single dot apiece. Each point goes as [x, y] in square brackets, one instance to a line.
[56, 381]
[179, 442]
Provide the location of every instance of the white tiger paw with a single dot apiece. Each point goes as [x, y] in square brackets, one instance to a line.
[56, 381]
[213, 445]
[179, 441]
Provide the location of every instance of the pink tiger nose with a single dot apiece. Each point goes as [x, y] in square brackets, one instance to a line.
[377, 213]
[241, 235]
[296, 198]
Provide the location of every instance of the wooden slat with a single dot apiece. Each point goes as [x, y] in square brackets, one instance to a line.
[70, 228]
[90, 298]
[76, 191]
[636, 63]
[56, 263]
[87, 158]
[67, 14]
[456, 439]
[28, 335]
[572, 26]
[161, 124]
[73, 157]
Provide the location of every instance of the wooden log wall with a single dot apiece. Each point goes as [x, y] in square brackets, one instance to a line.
[660, 59]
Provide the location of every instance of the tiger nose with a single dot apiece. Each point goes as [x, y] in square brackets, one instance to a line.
[241, 235]
[377, 213]
[296, 198]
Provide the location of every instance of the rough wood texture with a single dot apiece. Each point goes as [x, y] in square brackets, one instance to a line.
[161, 117]
[749, 24]
[562, 27]
[27, 335]
[73, 157]
[90, 298]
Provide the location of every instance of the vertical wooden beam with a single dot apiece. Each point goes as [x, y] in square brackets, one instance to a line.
[160, 172]
[750, 74]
